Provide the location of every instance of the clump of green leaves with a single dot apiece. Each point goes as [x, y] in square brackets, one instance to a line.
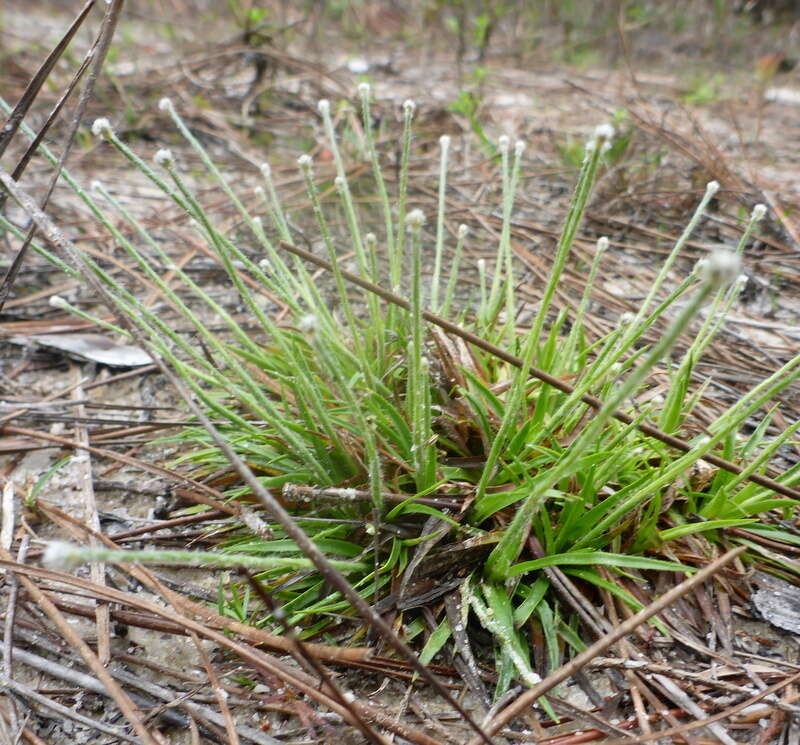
[422, 467]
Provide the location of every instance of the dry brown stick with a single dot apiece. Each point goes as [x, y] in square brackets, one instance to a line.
[85, 482]
[593, 401]
[126, 706]
[602, 644]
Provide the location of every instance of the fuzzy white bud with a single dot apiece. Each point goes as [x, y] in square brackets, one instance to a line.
[481, 266]
[165, 104]
[371, 239]
[602, 244]
[758, 212]
[364, 89]
[102, 127]
[722, 268]
[444, 142]
[700, 267]
[305, 161]
[96, 188]
[265, 266]
[603, 132]
[409, 106]
[626, 318]
[61, 556]
[164, 158]
[266, 171]
[56, 301]
[712, 187]
[308, 322]
[519, 148]
[503, 142]
[324, 107]
[339, 183]
[415, 219]
[462, 231]
[741, 282]
[259, 192]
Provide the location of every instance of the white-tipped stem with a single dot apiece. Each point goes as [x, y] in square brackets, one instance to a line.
[603, 132]
[741, 282]
[415, 219]
[364, 90]
[758, 212]
[97, 188]
[463, 230]
[700, 268]
[519, 148]
[56, 301]
[712, 187]
[339, 183]
[722, 269]
[305, 161]
[102, 127]
[324, 106]
[61, 556]
[409, 106]
[266, 170]
[165, 104]
[308, 322]
[164, 158]
[503, 143]
[602, 244]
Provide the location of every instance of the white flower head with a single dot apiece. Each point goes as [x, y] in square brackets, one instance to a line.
[324, 106]
[503, 143]
[700, 267]
[340, 184]
[415, 219]
[758, 212]
[164, 158]
[364, 89]
[371, 239]
[712, 187]
[56, 301]
[741, 282]
[603, 132]
[259, 192]
[96, 187]
[305, 161]
[265, 266]
[626, 318]
[519, 148]
[409, 106]
[462, 231]
[165, 104]
[722, 268]
[481, 266]
[102, 127]
[308, 322]
[266, 171]
[61, 556]
[444, 142]
[602, 244]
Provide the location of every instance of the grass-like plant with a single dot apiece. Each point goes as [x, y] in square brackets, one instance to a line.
[422, 466]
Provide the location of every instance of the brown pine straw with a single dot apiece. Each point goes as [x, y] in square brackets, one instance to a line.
[299, 680]
[530, 696]
[596, 403]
